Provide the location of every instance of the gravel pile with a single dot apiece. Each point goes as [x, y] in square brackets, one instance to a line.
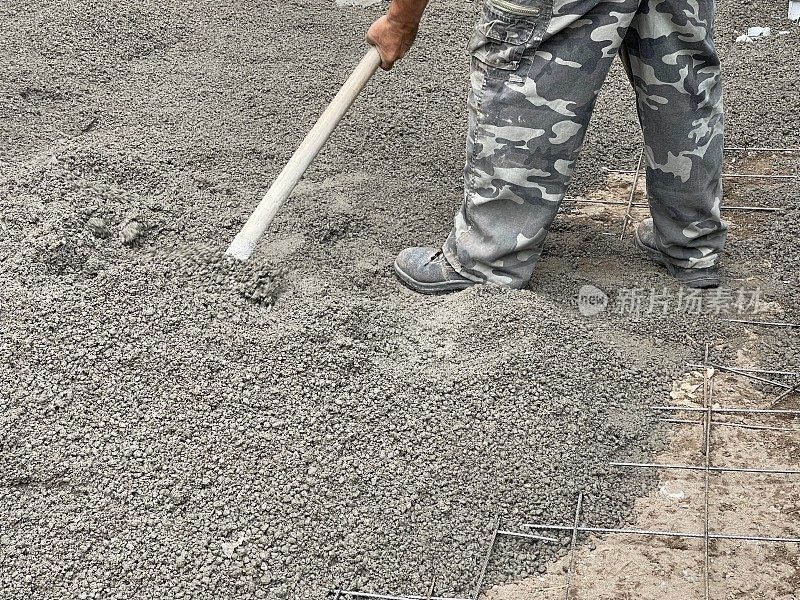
[328, 445]
[177, 425]
[776, 248]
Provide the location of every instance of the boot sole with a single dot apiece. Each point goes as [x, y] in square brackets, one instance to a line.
[430, 288]
[685, 276]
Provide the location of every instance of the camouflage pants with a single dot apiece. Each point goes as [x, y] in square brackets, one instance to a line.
[537, 68]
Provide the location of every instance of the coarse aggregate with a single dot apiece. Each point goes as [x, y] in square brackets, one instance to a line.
[177, 425]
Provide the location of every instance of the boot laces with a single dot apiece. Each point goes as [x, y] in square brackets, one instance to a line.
[435, 257]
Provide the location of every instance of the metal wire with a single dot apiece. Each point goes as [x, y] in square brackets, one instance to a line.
[429, 596]
[527, 536]
[762, 371]
[628, 218]
[354, 594]
[732, 424]
[482, 575]
[765, 323]
[724, 175]
[752, 208]
[755, 427]
[571, 567]
[732, 411]
[742, 373]
[785, 394]
[682, 421]
[756, 176]
[614, 202]
[764, 471]
[707, 392]
[749, 149]
[643, 205]
[673, 534]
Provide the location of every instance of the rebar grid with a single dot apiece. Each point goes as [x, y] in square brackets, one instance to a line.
[708, 423]
[706, 535]
[709, 371]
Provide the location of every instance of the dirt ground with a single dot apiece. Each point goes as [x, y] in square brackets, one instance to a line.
[174, 425]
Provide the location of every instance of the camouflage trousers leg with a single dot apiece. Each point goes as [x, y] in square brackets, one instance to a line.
[679, 98]
[537, 68]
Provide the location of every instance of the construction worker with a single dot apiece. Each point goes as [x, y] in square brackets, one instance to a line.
[537, 68]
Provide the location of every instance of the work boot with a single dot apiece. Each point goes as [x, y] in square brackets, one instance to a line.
[426, 270]
[645, 239]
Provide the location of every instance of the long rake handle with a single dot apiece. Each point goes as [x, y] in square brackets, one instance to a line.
[245, 241]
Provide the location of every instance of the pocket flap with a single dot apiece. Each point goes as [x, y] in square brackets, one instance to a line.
[507, 32]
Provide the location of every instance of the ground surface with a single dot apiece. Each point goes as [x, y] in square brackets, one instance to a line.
[165, 432]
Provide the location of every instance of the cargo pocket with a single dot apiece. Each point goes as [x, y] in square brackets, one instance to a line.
[508, 34]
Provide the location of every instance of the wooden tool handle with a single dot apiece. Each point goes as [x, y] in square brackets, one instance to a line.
[245, 241]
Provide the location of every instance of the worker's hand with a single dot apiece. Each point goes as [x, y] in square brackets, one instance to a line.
[393, 38]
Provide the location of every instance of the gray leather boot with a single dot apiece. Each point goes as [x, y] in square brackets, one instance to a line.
[426, 270]
[645, 239]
